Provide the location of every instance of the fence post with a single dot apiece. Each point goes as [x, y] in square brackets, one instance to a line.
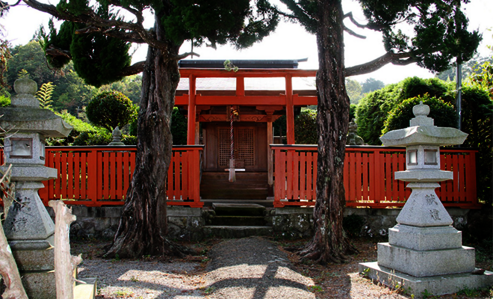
[92, 176]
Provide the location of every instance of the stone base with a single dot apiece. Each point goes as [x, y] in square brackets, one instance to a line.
[35, 260]
[426, 263]
[425, 238]
[434, 285]
[39, 285]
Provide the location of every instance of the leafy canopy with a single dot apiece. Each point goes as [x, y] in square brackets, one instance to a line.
[97, 37]
[111, 109]
[438, 35]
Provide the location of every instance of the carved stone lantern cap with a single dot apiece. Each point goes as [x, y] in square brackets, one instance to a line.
[422, 131]
[25, 116]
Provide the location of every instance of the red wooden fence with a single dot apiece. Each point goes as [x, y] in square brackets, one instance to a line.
[369, 177]
[97, 176]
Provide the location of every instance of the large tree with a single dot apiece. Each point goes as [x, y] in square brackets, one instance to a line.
[94, 35]
[440, 35]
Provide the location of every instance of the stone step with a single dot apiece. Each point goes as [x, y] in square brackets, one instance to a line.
[238, 209]
[225, 231]
[238, 220]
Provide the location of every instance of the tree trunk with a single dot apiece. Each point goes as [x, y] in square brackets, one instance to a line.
[143, 223]
[329, 244]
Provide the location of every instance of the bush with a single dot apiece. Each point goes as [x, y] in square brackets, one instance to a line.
[79, 127]
[372, 112]
[178, 127]
[443, 113]
[374, 108]
[110, 109]
[102, 137]
[305, 127]
[477, 113]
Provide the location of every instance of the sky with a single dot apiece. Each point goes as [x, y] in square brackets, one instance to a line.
[290, 41]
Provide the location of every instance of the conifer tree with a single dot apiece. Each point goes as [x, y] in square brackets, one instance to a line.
[96, 36]
[440, 37]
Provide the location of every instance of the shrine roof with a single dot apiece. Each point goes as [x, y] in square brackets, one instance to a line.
[257, 73]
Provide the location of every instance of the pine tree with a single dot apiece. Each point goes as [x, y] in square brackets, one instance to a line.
[96, 37]
[440, 37]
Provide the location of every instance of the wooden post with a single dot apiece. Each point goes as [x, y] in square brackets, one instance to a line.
[289, 111]
[65, 264]
[191, 111]
[9, 271]
[270, 160]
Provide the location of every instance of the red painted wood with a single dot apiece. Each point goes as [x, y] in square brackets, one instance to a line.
[92, 177]
[185, 175]
[191, 111]
[291, 171]
[302, 175]
[290, 174]
[365, 183]
[83, 175]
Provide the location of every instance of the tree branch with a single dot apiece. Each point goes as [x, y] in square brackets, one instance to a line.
[389, 57]
[52, 51]
[350, 16]
[351, 32]
[185, 55]
[134, 69]
[128, 31]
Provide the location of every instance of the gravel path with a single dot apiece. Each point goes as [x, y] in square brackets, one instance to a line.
[235, 269]
[254, 268]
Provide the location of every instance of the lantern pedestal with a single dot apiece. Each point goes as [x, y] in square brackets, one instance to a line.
[424, 254]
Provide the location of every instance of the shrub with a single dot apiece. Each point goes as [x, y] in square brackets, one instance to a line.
[305, 127]
[102, 137]
[373, 109]
[443, 113]
[110, 109]
[178, 127]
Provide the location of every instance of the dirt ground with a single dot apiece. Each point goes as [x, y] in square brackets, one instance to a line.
[187, 277]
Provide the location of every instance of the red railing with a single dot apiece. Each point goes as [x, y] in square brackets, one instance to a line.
[369, 177]
[97, 176]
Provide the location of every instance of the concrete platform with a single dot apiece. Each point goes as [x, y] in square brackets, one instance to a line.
[434, 285]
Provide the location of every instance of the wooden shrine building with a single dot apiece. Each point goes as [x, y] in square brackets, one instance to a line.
[259, 92]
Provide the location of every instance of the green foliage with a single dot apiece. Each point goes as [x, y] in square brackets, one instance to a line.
[353, 89]
[110, 109]
[44, 95]
[61, 40]
[482, 77]
[93, 138]
[130, 86]
[444, 114]
[29, 57]
[477, 114]
[373, 109]
[352, 111]
[371, 84]
[4, 101]
[305, 127]
[178, 127]
[23, 74]
[439, 28]
[219, 21]
[99, 59]
[79, 127]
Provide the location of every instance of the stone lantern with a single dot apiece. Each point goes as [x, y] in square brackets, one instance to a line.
[424, 251]
[28, 226]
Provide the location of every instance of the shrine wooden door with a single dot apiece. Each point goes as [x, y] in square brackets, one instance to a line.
[250, 146]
